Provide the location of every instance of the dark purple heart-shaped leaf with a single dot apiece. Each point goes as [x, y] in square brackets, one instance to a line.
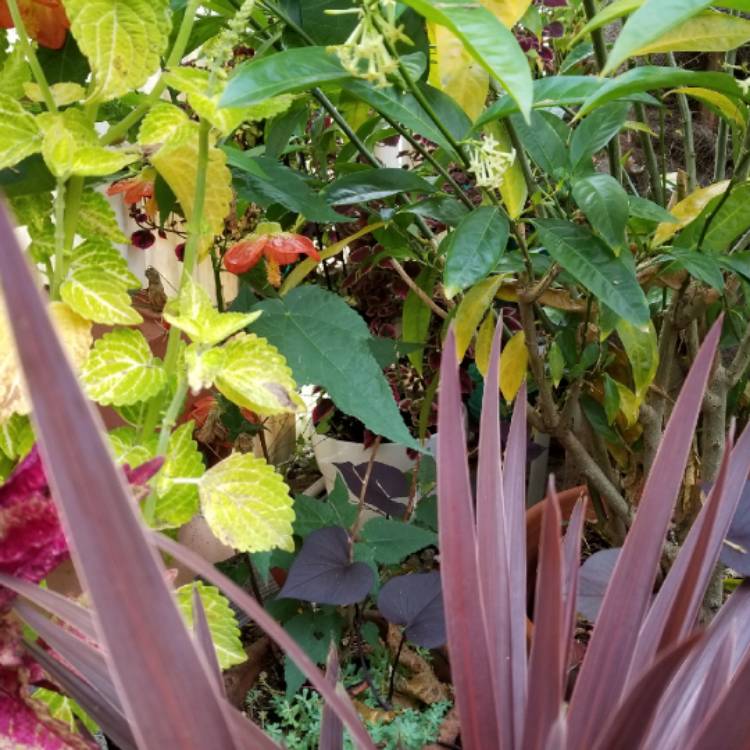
[735, 552]
[593, 579]
[322, 571]
[386, 483]
[416, 602]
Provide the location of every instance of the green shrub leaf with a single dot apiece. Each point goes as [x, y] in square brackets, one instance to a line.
[393, 540]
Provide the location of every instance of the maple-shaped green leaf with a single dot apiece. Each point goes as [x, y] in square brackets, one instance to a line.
[122, 39]
[63, 93]
[15, 73]
[194, 83]
[176, 160]
[177, 502]
[20, 135]
[97, 219]
[256, 375]
[121, 369]
[71, 146]
[16, 436]
[194, 314]
[97, 284]
[247, 504]
[129, 448]
[222, 622]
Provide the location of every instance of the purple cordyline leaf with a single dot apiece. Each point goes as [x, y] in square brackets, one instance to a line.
[629, 725]
[117, 566]
[572, 561]
[514, 497]
[558, 735]
[608, 656]
[416, 602]
[471, 659]
[110, 718]
[386, 482]
[593, 578]
[205, 641]
[676, 606]
[323, 572]
[493, 549]
[339, 702]
[735, 550]
[548, 645]
[331, 728]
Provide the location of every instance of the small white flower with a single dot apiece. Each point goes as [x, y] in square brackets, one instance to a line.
[489, 163]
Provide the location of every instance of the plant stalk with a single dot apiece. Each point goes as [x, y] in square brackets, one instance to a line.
[687, 119]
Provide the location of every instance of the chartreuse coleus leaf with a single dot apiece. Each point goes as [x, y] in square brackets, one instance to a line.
[65, 709]
[194, 314]
[16, 436]
[173, 139]
[14, 73]
[34, 211]
[122, 370]
[129, 448]
[222, 623]
[71, 147]
[247, 504]
[75, 335]
[177, 501]
[123, 41]
[203, 96]
[63, 93]
[249, 371]
[97, 284]
[97, 219]
[20, 136]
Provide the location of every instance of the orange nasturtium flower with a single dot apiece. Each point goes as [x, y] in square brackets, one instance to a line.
[45, 21]
[269, 242]
[134, 189]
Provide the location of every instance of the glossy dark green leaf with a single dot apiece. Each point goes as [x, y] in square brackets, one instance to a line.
[611, 398]
[326, 343]
[587, 259]
[597, 418]
[265, 182]
[641, 208]
[473, 248]
[283, 72]
[650, 77]
[373, 184]
[605, 204]
[416, 316]
[703, 266]
[578, 54]
[280, 130]
[323, 28]
[653, 19]
[542, 141]
[393, 540]
[488, 40]
[447, 210]
[65, 65]
[597, 130]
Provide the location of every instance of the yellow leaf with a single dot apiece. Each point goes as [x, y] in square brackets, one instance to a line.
[513, 189]
[687, 210]
[709, 31]
[508, 11]
[454, 71]
[722, 102]
[513, 364]
[472, 309]
[629, 404]
[483, 345]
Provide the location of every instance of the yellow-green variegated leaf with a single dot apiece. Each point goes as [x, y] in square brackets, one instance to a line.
[16, 436]
[97, 284]
[177, 501]
[687, 210]
[513, 188]
[176, 161]
[222, 622]
[123, 41]
[63, 94]
[728, 108]
[64, 709]
[15, 73]
[194, 314]
[710, 31]
[194, 83]
[471, 310]
[247, 504]
[256, 375]
[508, 11]
[454, 71]
[121, 369]
[20, 135]
[129, 448]
[97, 219]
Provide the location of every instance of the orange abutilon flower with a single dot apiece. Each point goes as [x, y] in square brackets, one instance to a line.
[134, 189]
[45, 21]
[269, 242]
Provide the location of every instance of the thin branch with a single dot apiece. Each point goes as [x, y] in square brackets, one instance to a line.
[363, 492]
[419, 292]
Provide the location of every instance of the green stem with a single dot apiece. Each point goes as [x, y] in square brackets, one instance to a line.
[722, 137]
[687, 119]
[116, 132]
[652, 165]
[59, 270]
[30, 55]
